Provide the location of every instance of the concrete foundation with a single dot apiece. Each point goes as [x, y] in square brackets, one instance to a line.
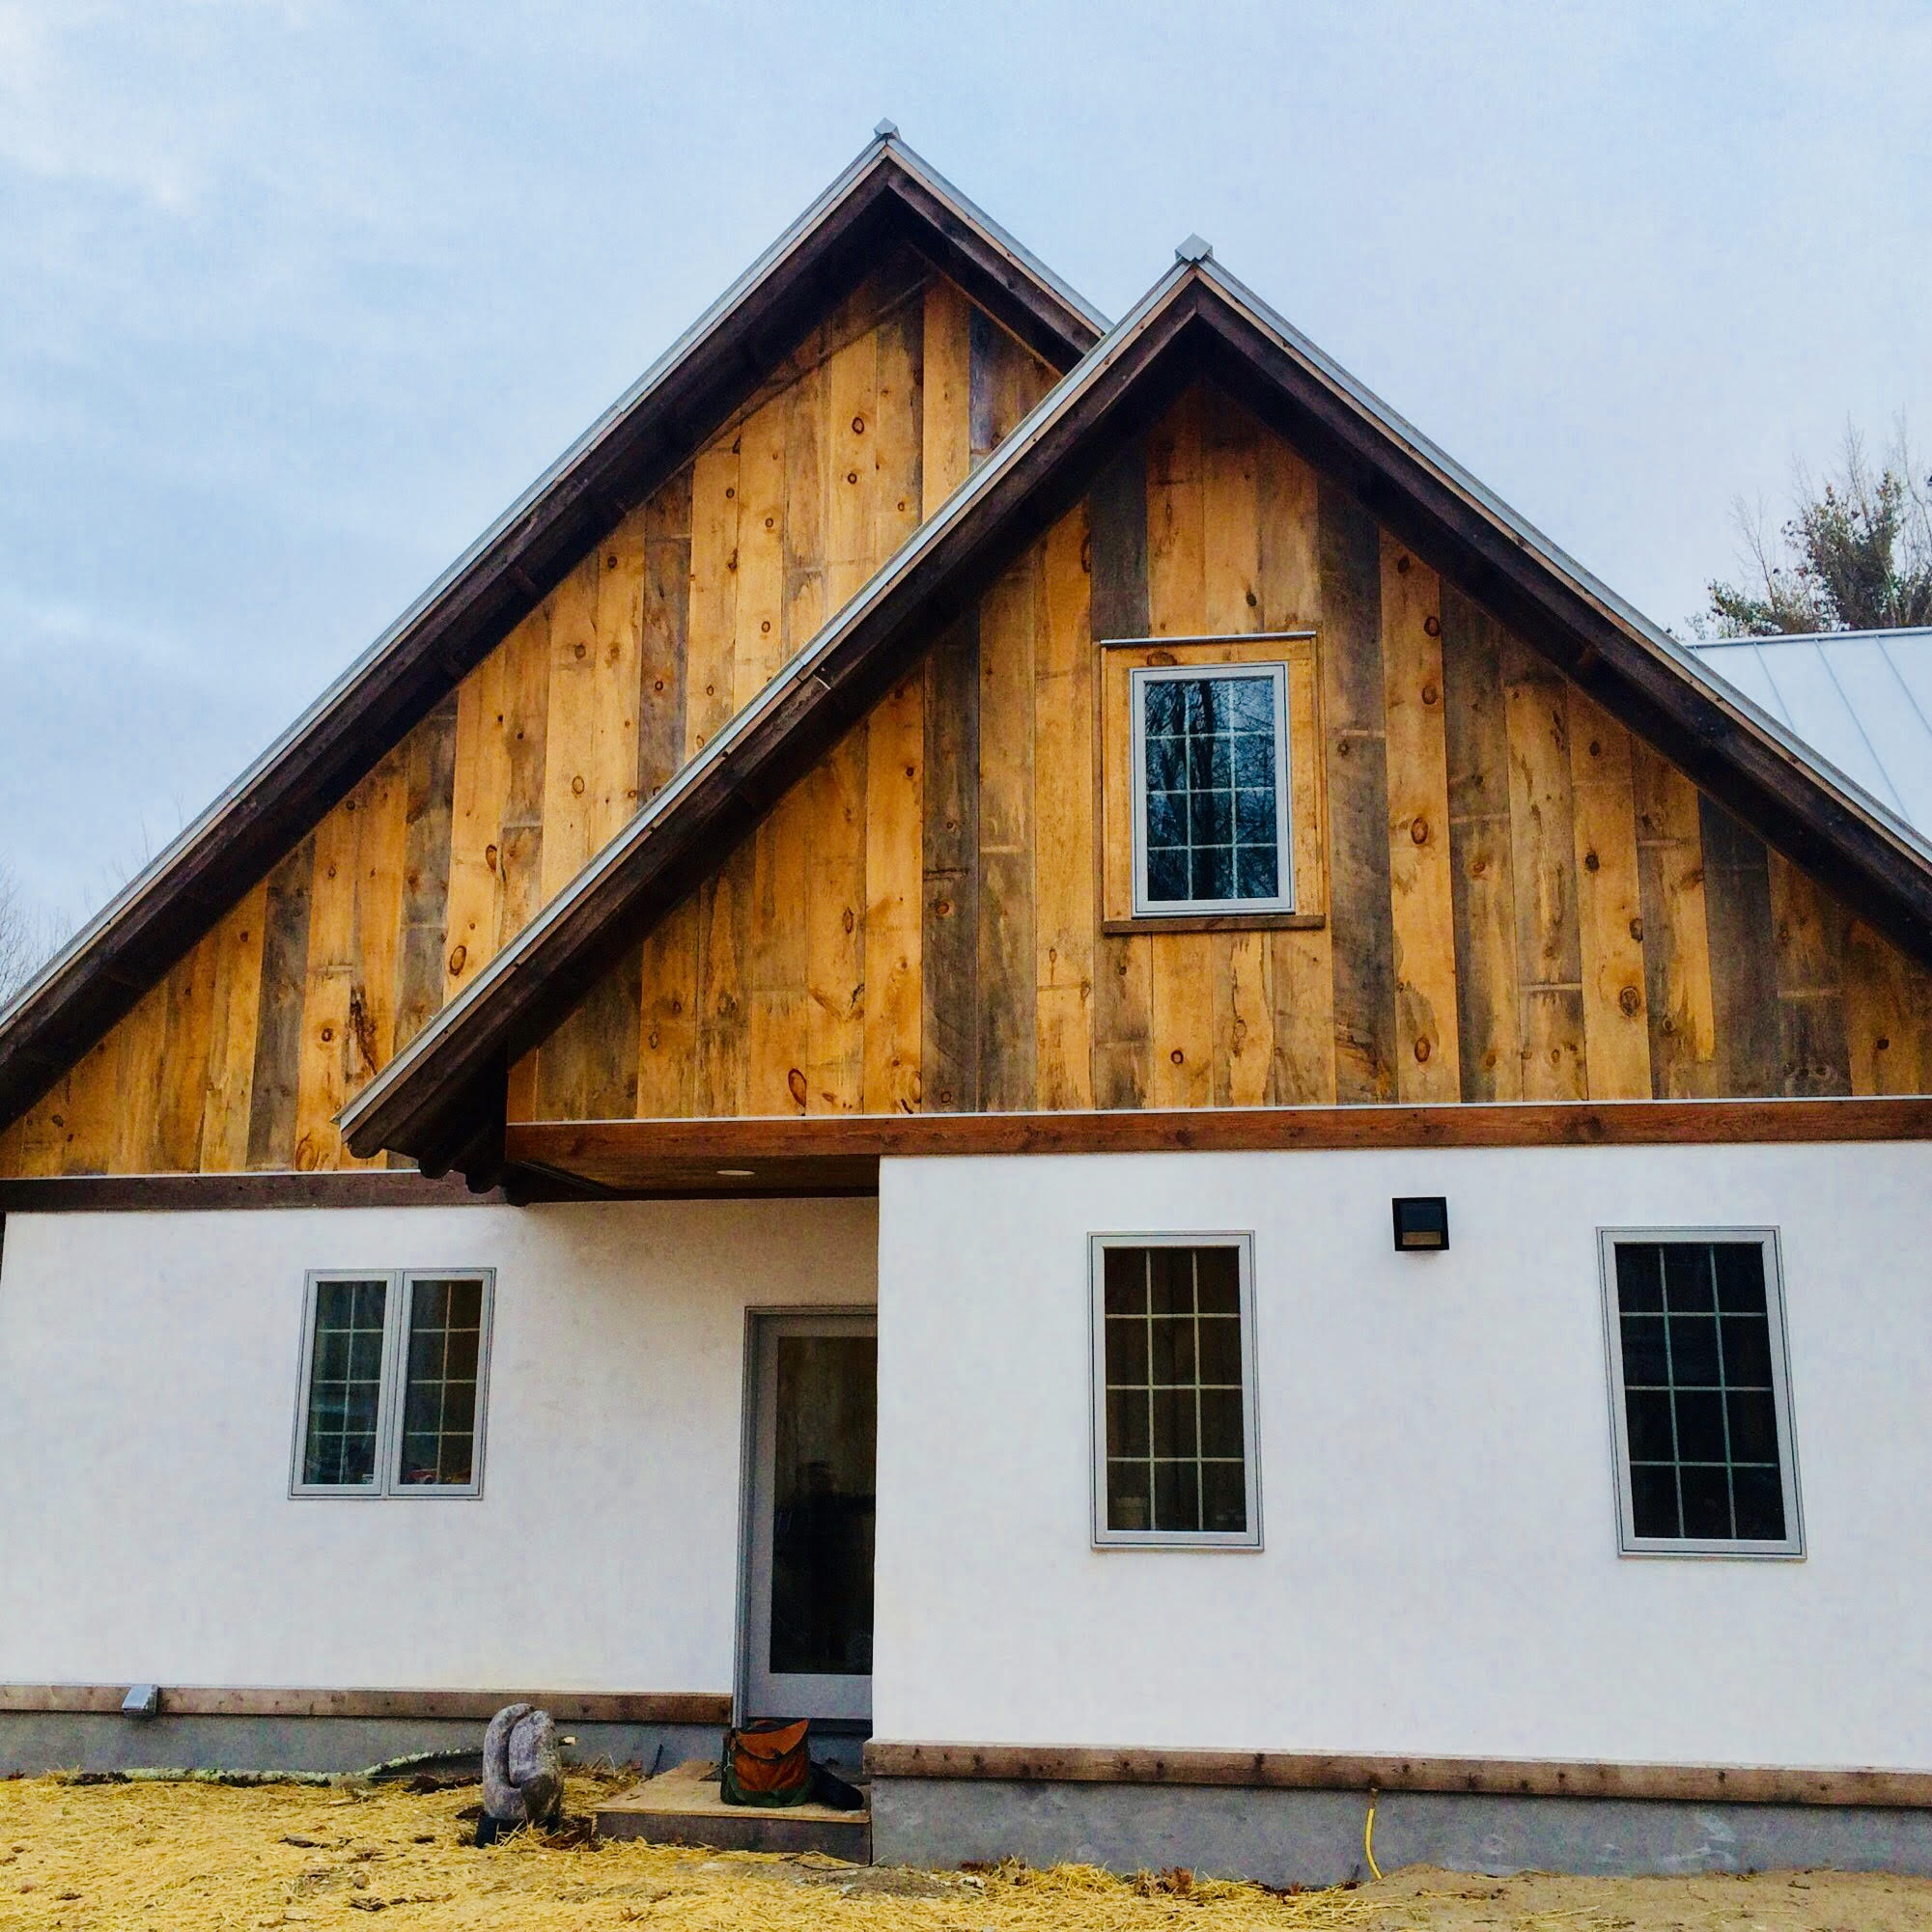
[1315, 1837]
[33, 1741]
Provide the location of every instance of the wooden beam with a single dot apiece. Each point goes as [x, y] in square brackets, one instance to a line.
[839, 1154]
[1323, 1770]
[142, 1193]
[579, 1707]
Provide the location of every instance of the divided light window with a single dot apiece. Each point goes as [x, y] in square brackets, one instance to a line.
[394, 1369]
[1211, 790]
[1173, 1323]
[1700, 1391]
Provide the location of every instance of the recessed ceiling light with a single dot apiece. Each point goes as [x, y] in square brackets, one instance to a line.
[734, 1173]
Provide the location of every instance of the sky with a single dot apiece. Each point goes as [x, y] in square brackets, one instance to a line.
[295, 298]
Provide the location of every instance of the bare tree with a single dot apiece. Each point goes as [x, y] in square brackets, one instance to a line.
[28, 936]
[1855, 555]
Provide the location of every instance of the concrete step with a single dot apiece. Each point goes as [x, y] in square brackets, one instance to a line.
[682, 1807]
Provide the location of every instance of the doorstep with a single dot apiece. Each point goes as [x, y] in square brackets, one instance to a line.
[682, 1807]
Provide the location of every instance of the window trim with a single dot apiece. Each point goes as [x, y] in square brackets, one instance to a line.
[1104, 1537]
[400, 1299]
[1138, 677]
[1791, 1547]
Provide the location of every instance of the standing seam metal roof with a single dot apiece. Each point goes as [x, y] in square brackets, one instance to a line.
[1860, 699]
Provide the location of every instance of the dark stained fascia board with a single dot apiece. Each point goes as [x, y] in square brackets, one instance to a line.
[147, 1193]
[431, 1097]
[1814, 814]
[887, 194]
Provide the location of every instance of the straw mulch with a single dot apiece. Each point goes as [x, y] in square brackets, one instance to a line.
[173, 1857]
[184, 1856]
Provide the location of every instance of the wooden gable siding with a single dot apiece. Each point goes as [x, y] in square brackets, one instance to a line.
[1523, 902]
[241, 1058]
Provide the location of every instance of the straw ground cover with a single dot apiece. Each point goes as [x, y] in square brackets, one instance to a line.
[171, 1857]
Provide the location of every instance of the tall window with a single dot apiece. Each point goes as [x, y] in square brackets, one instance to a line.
[1701, 1396]
[1174, 1390]
[1211, 790]
[393, 1374]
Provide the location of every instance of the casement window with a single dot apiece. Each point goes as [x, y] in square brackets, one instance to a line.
[1209, 794]
[1700, 1393]
[1173, 1391]
[394, 1371]
[1211, 790]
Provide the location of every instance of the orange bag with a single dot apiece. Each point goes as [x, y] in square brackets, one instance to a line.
[766, 1763]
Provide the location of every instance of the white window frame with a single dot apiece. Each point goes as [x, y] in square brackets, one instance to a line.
[1103, 1536]
[1628, 1544]
[1283, 901]
[397, 1306]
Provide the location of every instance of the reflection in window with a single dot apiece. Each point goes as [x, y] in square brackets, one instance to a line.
[1211, 772]
[344, 1383]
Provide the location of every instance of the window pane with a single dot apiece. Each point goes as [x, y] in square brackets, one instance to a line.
[1760, 1497]
[1218, 1278]
[1644, 1361]
[1210, 818]
[1747, 1350]
[1218, 1345]
[1173, 1406]
[1653, 1495]
[1707, 1501]
[1127, 1422]
[1640, 1279]
[1177, 1496]
[1740, 1272]
[1221, 1422]
[1687, 1288]
[344, 1383]
[1129, 1495]
[439, 1388]
[1225, 1497]
[1124, 1270]
[1704, 1434]
[1694, 1350]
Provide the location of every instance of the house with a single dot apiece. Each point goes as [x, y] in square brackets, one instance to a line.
[1024, 1034]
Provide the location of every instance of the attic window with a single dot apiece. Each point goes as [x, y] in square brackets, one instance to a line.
[1210, 819]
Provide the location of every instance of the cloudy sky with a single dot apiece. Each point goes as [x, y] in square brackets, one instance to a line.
[294, 297]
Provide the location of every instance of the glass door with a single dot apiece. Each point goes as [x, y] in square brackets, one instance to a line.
[808, 1562]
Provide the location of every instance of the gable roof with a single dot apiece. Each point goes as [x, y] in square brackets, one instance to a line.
[887, 195]
[1861, 699]
[441, 1099]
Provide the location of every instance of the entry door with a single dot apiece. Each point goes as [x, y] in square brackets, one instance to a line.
[808, 1559]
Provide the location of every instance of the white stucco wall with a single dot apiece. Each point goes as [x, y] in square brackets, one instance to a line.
[147, 1372]
[1441, 1571]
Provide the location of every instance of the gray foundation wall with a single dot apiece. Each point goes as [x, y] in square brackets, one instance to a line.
[1315, 1837]
[33, 1741]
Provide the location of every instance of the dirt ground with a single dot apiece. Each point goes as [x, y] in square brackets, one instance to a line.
[174, 1857]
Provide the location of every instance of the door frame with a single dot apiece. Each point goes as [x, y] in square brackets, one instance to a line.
[757, 1321]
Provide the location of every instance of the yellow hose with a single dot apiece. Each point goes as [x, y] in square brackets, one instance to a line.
[1368, 1835]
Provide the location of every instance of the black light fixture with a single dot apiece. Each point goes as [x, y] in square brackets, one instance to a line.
[1422, 1224]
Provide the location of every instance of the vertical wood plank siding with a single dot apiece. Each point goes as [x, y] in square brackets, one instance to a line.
[1503, 894]
[482, 812]
[1517, 899]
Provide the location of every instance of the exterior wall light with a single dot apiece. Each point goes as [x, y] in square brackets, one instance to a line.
[1422, 1224]
[143, 1700]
